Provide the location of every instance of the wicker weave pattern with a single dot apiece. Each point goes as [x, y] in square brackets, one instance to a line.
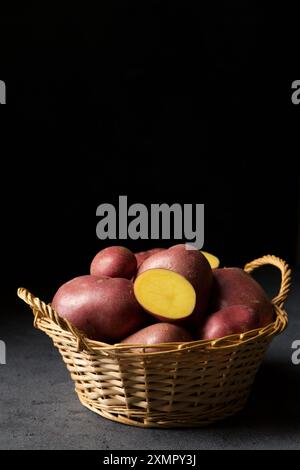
[182, 384]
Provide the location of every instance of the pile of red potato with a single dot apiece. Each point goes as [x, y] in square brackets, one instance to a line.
[161, 296]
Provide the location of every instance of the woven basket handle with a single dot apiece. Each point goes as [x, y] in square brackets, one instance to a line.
[44, 311]
[285, 275]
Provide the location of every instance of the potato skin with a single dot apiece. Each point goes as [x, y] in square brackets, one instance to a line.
[232, 286]
[114, 261]
[228, 321]
[103, 308]
[159, 333]
[141, 256]
[192, 265]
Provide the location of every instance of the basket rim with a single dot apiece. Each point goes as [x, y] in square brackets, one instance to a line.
[45, 316]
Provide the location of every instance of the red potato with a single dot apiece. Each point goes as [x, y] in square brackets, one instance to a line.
[192, 265]
[159, 333]
[103, 308]
[140, 257]
[228, 321]
[114, 261]
[233, 286]
[143, 255]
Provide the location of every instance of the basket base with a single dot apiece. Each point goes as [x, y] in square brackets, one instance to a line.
[165, 420]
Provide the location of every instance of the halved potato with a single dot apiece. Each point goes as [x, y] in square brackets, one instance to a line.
[165, 294]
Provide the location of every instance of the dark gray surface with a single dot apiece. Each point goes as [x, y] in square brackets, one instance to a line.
[39, 409]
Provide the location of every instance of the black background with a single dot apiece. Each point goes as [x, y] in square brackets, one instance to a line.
[163, 102]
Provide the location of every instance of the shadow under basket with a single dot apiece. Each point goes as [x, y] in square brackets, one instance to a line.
[180, 385]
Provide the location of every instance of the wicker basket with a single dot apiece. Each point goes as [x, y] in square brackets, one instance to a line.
[188, 384]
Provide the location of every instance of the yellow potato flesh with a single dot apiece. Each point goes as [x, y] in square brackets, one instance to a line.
[165, 293]
[212, 259]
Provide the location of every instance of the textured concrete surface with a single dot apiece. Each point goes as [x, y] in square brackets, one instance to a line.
[39, 409]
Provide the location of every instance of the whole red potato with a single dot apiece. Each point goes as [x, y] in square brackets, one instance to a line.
[228, 321]
[159, 333]
[103, 308]
[114, 261]
[233, 286]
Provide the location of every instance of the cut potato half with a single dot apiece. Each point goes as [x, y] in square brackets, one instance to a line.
[165, 294]
[212, 259]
